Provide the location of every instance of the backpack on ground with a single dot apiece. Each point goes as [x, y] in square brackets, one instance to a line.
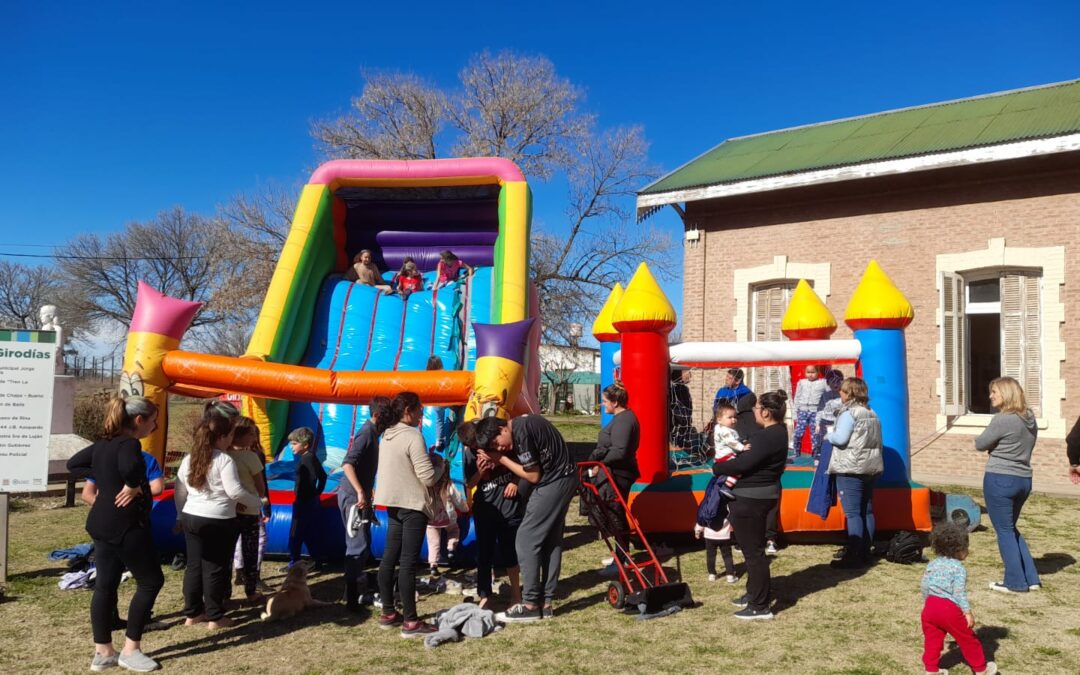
[905, 548]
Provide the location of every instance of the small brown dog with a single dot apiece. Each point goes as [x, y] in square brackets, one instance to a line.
[293, 597]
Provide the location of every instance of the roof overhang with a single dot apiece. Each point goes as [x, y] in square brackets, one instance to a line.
[647, 204]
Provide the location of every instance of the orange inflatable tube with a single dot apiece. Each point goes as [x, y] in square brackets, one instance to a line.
[208, 374]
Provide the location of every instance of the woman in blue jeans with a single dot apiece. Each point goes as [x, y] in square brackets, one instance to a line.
[856, 463]
[1009, 439]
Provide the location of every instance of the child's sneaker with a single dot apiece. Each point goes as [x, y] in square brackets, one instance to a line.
[1002, 588]
[770, 548]
[549, 612]
[991, 669]
[712, 577]
[388, 621]
[411, 629]
[731, 578]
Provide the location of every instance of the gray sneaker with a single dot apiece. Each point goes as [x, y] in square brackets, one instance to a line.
[102, 662]
[138, 662]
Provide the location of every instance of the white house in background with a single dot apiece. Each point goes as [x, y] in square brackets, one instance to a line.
[570, 378]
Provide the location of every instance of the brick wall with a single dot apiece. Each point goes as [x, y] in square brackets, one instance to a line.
[904, 222]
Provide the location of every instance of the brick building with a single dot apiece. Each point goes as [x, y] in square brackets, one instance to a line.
[971, 206]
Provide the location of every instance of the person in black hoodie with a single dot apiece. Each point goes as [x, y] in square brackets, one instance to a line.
[757, 492]
[355, 495]
[616, 447]
[119, 523]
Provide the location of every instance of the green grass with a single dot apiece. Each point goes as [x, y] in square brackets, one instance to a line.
[828, 622]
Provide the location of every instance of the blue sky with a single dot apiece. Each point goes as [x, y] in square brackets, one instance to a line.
[110, 112]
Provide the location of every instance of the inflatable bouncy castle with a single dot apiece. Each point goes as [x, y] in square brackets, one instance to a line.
[632, 328]
[324, 346]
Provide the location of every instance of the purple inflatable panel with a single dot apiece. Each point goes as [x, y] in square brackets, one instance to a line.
[507, 340]
[427, 257]
[390, 238]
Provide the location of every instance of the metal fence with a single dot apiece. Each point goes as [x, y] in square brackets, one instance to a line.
[100, 368]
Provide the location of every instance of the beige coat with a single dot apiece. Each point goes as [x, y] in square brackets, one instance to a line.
[405, 471]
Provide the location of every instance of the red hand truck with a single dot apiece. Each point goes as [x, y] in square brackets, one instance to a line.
[642, 581]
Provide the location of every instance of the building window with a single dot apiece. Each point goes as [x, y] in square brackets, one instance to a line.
[768, 302]
[991, 326]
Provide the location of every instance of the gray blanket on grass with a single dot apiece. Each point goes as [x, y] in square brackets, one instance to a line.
[464, 620]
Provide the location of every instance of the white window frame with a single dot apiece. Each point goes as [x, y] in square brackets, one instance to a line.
[993, 261]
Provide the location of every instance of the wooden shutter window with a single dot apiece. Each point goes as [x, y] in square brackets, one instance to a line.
[1021, 346]
[953, 350]
[770, 302]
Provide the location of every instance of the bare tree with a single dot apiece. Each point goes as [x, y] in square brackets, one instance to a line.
[23, 290]
[178, 253]
[396, 116]
[517, 107]
[575, 270]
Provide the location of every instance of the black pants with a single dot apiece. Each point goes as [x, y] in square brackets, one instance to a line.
[404, 537]
[613, 513]
[539, 539]
[748, 517]
[772, 523]
[495, 544]
[210, 546]
[136, 552]
[725, 552]
[305, 517]
[249, 550]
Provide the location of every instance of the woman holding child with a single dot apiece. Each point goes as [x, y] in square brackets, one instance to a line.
[209, 494]
[756, 494]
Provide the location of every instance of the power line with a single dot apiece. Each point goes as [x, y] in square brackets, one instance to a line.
[99, 257]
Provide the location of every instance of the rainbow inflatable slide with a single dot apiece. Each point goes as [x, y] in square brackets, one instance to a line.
[323, 346]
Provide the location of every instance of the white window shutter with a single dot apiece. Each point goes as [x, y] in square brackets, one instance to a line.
[770, 302]
[953, 350]
[1021, 345]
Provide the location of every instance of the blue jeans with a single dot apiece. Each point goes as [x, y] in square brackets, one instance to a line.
[1005, 496]
[856, 492]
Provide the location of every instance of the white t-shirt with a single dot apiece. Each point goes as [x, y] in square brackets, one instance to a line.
[219, 497]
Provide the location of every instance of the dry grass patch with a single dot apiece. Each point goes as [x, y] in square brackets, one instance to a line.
[828, 621]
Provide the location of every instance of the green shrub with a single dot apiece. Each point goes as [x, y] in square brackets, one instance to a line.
[89, 418]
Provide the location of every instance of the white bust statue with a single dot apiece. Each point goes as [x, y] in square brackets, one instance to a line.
[48, 318]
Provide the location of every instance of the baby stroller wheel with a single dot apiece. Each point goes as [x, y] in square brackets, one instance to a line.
[616, 595]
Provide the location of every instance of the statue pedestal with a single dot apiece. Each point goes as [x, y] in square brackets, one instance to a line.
[63, 404]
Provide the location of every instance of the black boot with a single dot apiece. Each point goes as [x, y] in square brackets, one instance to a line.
[352, 586]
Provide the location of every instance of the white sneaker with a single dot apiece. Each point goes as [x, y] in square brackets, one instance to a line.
[731, 578]
[770, 548]
[607, 561]
[712, 577]
[1035, 587]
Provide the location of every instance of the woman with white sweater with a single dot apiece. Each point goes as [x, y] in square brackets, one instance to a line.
[208, 495]
[404, 478]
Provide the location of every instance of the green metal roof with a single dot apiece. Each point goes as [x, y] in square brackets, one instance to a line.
[1041, 112]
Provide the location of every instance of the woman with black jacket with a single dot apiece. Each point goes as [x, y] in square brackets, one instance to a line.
[758, 491]
[119, 523]
[616, 447]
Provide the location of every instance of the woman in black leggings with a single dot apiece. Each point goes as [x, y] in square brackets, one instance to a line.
[756, 494]
[119, 523]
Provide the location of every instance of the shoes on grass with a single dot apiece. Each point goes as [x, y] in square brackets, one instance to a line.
[731, 578]
[1002, 588]
[748, 614]
[387, 621]
[519, 613]
[102, 662]
[238, 580]
[138, 662]
[411, 629]
[741, 601]
[770, 548]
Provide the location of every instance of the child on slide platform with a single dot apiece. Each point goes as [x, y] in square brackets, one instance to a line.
[408, 280]
[365, 271]
[449, 267]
